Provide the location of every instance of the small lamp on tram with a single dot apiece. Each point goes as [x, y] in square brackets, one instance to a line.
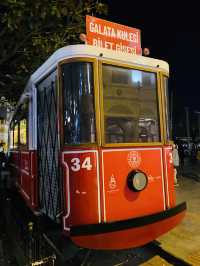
[146, 51]
[83, 37]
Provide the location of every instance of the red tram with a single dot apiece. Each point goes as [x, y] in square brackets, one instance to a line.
[90, 147]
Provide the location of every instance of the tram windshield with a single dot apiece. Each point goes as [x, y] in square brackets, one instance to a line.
[131, 113]
[78, 102]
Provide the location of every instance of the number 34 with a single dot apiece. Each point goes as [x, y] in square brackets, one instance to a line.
[76, 164]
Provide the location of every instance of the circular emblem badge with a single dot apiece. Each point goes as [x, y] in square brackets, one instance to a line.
[134, 159]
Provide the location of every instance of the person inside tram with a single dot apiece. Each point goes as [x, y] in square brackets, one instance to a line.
[153, 131]
[120, 129]
[143, 135]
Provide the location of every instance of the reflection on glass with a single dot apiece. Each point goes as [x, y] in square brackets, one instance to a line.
[79, 117]
[15, 136]
[130, 105]
[23, 132]
[11, 139]
[167, 109]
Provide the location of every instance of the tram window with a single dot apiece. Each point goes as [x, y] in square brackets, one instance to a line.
[11, 135]
[167, 109]
[23, 132]
[79, 115]
[23, 123]
[16, 135]
[131, 113]
[11, 138]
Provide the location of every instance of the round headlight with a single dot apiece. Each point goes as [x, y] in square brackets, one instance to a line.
[137, 180]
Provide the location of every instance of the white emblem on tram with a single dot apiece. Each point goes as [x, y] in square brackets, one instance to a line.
[112, 182]
[134, 159]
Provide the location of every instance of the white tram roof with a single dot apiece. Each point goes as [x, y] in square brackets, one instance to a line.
[73, 51]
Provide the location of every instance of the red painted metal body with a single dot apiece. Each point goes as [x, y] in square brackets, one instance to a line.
[128, 238]
[24, 165]
[98, 194]
[101, 193]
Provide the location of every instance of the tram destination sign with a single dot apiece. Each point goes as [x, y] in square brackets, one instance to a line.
[106, 34]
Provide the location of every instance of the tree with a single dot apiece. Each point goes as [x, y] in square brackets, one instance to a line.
[32, 30]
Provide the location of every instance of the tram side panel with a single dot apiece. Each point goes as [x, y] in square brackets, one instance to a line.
[81, 188]
[15, 166]
[169, 174]
[28, 186]
[24, 173]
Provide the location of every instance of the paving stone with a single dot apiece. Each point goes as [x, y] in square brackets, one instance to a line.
[156, 261]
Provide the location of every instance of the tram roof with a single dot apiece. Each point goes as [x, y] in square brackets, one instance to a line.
[73, 51]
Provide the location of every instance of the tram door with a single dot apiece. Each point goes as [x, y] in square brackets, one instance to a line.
[48, 148]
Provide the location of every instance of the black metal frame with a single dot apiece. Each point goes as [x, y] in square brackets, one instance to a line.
[49, 172]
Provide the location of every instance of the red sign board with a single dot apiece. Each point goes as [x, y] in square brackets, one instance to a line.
[106, 34]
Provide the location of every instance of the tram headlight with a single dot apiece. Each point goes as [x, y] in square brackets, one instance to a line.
[137, 180]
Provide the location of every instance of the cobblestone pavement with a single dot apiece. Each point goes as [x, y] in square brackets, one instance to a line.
[191, 169]
[184, 240]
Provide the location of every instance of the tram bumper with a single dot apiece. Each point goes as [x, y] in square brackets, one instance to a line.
[129, 233]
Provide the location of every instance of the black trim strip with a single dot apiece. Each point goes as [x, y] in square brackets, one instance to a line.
[93, 229]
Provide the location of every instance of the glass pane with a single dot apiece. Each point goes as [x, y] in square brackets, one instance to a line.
[79, 117]
[130, 105]
[16, 136]
[11, 138]
[167, 110]
[23, 132]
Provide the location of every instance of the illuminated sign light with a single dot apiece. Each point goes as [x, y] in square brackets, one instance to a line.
[106, 34]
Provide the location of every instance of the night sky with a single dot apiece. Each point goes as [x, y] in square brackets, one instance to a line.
[173, 34]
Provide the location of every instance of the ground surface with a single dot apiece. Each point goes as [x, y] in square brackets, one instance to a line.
[184, 240]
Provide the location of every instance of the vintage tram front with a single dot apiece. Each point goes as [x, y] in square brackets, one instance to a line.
[98, 156]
